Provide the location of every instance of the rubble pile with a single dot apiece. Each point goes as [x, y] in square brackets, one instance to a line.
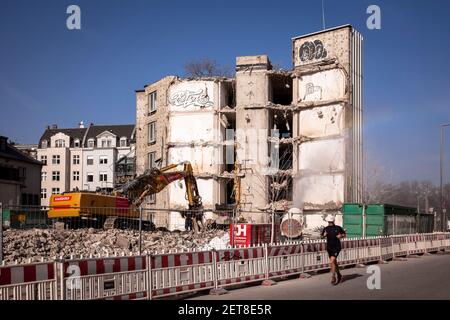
[43, 245]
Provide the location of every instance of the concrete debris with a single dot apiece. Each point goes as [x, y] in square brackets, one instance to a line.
[226, 110]
[198, 143]
[122, 242]
[231, 174]
[299, 139]
[281, 205]
[279, 186]
[218, 243]
[331, 205]
[37, 244]
[212, 78]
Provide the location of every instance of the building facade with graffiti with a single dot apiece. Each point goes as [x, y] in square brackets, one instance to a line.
[292, 137]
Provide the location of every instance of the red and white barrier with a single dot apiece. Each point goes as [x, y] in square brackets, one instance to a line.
[416, 244]
[284, 260]
[400, 246]
[240, 265]
[315, 255]
[131, 296]
[100, 278]
[97, 266]
[183, 272]
[28, 282]
[349, 252]
[431, 242]
[368, 250]
[161, 275]
[446, 241]
[386, 248]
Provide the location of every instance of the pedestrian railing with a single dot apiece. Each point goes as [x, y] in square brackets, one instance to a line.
[160, 275]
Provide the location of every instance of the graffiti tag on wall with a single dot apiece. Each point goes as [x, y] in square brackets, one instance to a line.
[189, 98]
[312, 50]
[313, 92]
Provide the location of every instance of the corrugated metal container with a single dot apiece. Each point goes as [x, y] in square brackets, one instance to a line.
[400, 224]
[24, 218]
[352, 208]
[426, 223]
[384, 219]
[6, 218]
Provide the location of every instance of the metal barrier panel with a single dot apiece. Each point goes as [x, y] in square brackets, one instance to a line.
[183, 272]
[386, 248]
[349, 252]
[315, 255]
[235, 266]
[400, 246]
[369, 250]
[283, 260]
[35, 281]
[446, 241]
[131, 296]
[431, 242]
[147, 277]
[422, 243]
[415, 245]
[100, 278]
[440, 241]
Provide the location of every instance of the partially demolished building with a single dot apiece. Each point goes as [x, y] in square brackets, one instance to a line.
[291, 138]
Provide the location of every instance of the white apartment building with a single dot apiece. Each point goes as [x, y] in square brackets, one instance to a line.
[104, 146]
[82, 158]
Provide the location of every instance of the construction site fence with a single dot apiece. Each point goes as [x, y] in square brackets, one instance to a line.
[30, 217]
[164, 274]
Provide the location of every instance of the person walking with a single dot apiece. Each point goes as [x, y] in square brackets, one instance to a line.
[334, 234]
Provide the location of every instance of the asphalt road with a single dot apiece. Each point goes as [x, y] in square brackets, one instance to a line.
[426, 277]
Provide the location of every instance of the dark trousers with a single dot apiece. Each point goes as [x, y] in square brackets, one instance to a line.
[188, 223]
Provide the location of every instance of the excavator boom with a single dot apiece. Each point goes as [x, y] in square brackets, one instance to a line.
[155, 180]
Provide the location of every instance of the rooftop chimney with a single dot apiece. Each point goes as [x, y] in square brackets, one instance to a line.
[81, 125]
[3, 143]
[54, 126]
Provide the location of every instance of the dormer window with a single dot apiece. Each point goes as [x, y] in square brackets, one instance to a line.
[123, 142]
[44, 144]
[90, 143]
[60, 143]
[76, 143]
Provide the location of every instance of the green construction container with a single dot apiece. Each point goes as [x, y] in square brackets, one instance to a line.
[6, 218]
[25, 218]
[381, 219]
[353, 208]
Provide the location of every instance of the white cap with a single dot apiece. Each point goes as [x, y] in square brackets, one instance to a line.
[329, 218]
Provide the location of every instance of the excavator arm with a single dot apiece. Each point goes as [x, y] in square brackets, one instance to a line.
[155, 180]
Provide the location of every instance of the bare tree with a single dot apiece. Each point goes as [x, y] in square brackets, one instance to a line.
[205, 67]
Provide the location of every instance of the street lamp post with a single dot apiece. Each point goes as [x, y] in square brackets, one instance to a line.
[443, 215]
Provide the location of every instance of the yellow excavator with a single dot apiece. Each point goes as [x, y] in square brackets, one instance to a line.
[121, 208]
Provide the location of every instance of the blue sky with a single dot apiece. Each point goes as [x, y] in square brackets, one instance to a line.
[49, 74]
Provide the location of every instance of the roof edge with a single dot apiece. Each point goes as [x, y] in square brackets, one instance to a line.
[323, 31]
